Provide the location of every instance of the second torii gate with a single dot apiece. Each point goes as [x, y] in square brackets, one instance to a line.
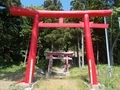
[86, 25]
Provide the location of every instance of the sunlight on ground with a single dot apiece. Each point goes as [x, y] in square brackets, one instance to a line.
[58, 84]
[76, 80]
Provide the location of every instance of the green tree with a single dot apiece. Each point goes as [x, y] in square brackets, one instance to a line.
[52, 5]
[25, 33]
[8, 3]
[50, 35]
[115, 35]
[9, 33]
[76, 5]
[79, 5]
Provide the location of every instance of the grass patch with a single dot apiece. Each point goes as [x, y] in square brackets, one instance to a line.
[60, 84]
[74, 82]
[110, 83]
[80, 75]
[12, 73]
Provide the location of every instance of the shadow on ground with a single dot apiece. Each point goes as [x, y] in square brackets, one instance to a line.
[12, 75]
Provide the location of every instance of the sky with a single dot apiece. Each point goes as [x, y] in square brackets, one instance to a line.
[65, 3]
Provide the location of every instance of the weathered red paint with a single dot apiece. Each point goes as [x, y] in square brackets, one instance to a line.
[86, 24]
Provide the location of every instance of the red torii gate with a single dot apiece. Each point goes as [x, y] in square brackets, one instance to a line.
[86, 24]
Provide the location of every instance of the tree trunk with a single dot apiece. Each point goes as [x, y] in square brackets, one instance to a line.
[74, 59]
[78, 50]
[97, 53]
[112, 48]
[82, 42]
[26, 55]
[52, 46]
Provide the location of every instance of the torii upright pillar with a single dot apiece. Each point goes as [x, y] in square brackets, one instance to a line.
[89, 51]
[32, 52]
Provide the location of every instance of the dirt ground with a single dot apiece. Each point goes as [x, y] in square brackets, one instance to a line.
[58, 84]
[59, 81]
[4, 84]
[54, 82]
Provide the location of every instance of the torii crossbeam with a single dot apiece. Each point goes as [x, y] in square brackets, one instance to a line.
[86, 25]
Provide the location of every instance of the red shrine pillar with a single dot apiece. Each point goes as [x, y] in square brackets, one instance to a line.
[32, 52]
[89, 51]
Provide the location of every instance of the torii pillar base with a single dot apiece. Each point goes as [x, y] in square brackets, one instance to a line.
[95, 87]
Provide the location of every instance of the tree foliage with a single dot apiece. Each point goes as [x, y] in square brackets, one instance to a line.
[15, 31]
